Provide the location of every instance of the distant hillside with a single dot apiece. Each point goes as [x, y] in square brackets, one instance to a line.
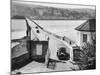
[43, 12]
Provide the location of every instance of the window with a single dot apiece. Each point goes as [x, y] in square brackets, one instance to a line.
[84, 37]
[39, 49]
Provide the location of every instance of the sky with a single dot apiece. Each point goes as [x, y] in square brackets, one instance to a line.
[59, 5]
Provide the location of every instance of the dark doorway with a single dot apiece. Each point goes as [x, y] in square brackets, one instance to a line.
[37, 50]
[76, 54]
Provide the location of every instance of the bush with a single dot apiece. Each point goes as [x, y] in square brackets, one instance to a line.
[87, 57]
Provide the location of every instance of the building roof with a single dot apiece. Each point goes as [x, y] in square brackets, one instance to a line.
[89, 26]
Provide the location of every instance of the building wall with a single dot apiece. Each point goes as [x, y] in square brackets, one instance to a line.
[80, 37]
[38, 36]
[34, 52]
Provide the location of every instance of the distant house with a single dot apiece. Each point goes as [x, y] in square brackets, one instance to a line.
[86, 32]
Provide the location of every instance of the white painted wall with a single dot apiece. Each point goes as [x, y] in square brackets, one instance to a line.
[80, 37]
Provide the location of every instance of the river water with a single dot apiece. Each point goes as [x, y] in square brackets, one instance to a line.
[60, 27]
